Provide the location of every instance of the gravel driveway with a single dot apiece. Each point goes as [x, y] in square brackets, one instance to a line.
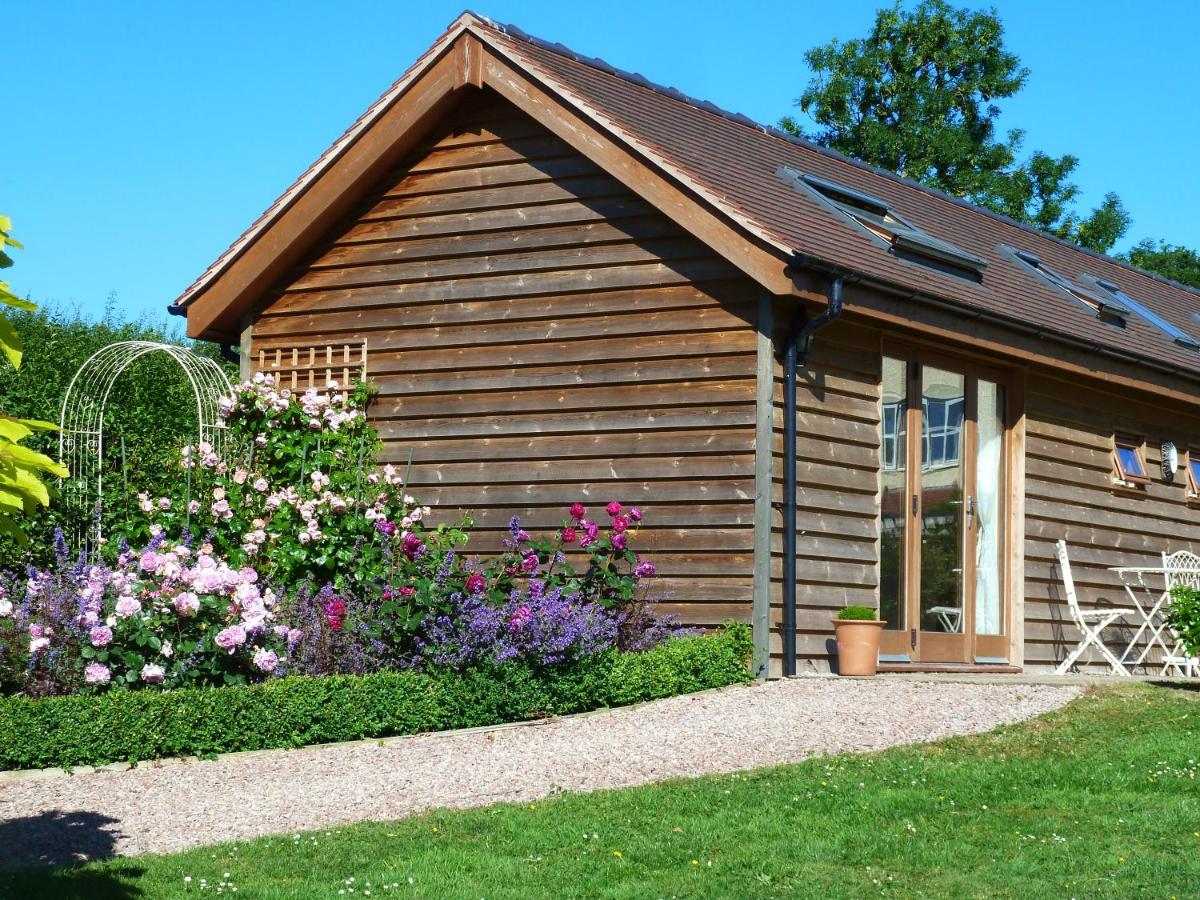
[63, 818]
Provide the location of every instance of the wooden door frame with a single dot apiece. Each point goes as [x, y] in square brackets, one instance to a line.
[968, 647]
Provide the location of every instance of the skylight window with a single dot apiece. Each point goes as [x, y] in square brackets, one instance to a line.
[885, 226]
[1108, 306]
[1176, 334]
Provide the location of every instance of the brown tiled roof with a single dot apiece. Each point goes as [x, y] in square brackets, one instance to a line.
[734, 163]
[740, 161]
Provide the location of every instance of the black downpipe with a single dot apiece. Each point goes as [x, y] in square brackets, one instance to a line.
[795, 355]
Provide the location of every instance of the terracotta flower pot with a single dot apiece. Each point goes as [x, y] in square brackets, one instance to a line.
[858, 645]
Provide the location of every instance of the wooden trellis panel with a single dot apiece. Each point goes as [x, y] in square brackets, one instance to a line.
[315, 366]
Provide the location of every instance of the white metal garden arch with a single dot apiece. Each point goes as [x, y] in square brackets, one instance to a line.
[81, 439]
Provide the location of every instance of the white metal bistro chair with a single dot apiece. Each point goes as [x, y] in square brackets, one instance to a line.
[1182, 568]
[1091, 622]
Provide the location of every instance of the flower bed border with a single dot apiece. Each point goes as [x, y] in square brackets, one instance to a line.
[129, 726]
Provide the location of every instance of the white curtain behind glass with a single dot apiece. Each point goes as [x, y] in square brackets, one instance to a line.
[990, 491]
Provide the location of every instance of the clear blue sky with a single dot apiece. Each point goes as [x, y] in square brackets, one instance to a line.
[140, 138]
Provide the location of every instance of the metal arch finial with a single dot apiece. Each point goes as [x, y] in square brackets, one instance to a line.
[81, 438]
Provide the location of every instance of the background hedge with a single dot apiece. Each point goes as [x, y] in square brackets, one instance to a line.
[292, 712]
[152, 407]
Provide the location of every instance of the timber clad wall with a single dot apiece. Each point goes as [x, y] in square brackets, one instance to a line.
[837, 475]
[1070, 495]
[541, 336]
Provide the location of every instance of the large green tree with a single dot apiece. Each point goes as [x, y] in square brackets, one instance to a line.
[918, 96]
[1180, 264]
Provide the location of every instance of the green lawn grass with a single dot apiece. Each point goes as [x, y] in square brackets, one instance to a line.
[1101, 799]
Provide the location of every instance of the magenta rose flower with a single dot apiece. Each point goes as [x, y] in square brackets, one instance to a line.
[568, 535]
[475, 583]
[614, 508]
[644, 570]
[635, 514]
[620, 523]
[577, 511]
[412, 546]
[620, 541]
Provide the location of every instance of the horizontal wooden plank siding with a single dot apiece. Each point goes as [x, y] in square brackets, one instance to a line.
[1070, 495]
[540, 335]
[837, 487]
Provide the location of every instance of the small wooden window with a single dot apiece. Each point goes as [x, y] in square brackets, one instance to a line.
[1130, 460]
[1193, 474]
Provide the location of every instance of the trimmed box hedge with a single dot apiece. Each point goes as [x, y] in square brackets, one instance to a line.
[291, 712]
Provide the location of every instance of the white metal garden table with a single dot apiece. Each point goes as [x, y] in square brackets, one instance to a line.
[1148, 605]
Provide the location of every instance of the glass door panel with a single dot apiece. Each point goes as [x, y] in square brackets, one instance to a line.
[941, 500]
[893, 463]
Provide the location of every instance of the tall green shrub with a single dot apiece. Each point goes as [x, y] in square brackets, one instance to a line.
[150, 415]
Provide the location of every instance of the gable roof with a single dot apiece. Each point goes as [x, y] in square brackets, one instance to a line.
[736, 167]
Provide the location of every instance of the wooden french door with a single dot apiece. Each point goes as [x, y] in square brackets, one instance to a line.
[944, 541]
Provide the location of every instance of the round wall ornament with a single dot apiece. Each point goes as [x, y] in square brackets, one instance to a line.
[1170, 461]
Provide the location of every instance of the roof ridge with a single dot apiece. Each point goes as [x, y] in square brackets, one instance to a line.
[742, 119]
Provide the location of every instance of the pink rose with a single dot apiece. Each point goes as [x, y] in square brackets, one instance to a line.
[152, 674]
[567, 536]
[186, 604]
[100, 636]
[231, 638]
[475, 583]
[613, 509]
[577, 511]
[265, 660]
[97, 673]
[620, 523]
[127, 606]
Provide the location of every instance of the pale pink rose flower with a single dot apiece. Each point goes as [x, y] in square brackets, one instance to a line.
[186, 604]
[231, 638]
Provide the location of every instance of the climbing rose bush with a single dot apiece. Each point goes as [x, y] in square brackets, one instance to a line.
[303, 500]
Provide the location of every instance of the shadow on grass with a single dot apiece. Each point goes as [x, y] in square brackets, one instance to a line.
[1192, 686]
[39, 855]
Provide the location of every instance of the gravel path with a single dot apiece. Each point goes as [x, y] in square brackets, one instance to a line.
[63, 818]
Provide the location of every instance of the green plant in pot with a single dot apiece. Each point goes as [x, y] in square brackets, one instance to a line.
[857, 629]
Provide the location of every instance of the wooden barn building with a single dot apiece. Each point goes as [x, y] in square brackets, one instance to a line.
[572, 284]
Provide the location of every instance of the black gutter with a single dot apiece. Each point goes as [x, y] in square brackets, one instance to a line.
[795, 355]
